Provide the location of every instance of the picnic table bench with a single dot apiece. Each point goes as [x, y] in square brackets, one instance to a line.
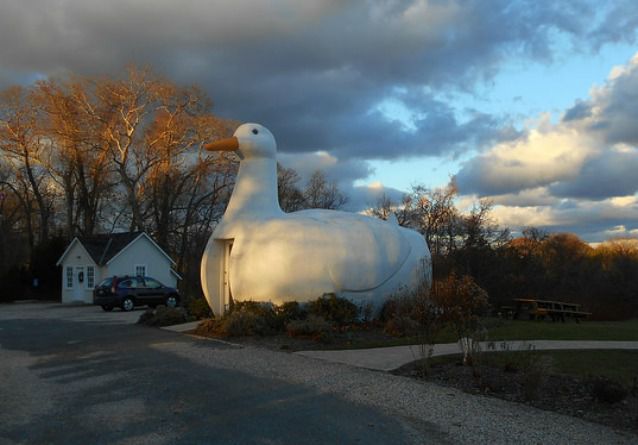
[531, 309]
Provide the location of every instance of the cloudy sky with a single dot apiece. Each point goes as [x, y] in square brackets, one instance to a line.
[533, 104]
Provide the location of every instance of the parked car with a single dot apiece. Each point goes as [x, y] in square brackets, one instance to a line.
[127, 292]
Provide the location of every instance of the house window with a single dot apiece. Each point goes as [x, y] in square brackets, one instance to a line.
[90, 277]
[69, 277]
[140, 270]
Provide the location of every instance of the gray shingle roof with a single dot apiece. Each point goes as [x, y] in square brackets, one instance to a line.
[104, 247]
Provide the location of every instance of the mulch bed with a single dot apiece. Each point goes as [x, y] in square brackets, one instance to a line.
[558, 393]
[354, 336]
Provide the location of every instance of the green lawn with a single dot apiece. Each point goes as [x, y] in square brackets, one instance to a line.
[618, 365]
[570, 330]
[499, 330]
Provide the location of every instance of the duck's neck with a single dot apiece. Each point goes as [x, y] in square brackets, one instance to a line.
[255, 192]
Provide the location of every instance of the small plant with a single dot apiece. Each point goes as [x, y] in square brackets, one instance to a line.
[414, 313]
[532, 368]
[608, 391]
[534, 375]
[461, 303]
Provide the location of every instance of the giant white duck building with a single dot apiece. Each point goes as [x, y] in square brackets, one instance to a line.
[257, 252]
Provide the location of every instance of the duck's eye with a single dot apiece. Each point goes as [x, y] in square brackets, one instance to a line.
[255, 131]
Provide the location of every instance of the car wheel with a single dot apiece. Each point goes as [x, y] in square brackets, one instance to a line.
[128, 304]
[107, 308]
[171, 301]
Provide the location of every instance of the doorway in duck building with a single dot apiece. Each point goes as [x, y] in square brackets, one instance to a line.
[228, 294]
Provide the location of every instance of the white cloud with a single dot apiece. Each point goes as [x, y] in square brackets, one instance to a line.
[579, 174]
[624, 201]
[519, 217]
[544, 155]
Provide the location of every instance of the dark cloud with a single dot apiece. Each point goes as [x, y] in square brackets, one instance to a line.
[609, 174]
[618, 114]
[315, 72]
[318, 73]
[580, 110]
[598, 222]
[619, 24]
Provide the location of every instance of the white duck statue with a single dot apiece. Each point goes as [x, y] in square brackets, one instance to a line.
[257, 252]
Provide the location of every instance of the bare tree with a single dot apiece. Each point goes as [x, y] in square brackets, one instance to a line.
[12, 221]
[319, 193]
[433, 213]
[291, 197]
[322, 194]
[25, 146]
[480, 230]
[385, 207]
[88, 142]
[78, 159]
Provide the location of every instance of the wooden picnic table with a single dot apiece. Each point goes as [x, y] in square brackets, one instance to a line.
[532, 309]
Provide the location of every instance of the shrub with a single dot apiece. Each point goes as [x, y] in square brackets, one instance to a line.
[334, 309]
[289, 311]
[401, 325]
[247, 318]
[207, 328]
[198, 307]
[313, 326]
[265, 313]
[608, 391]
[163, 316]
[241, 324]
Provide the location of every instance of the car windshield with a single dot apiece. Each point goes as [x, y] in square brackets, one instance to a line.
[106, 282]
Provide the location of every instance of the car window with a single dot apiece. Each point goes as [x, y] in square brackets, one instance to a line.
[106, 282]
[129, 283]
[152, 283]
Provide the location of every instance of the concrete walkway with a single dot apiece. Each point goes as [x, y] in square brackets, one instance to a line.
[184, 327]
[388, 359]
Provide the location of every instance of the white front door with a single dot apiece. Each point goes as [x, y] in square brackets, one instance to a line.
[79, 283]
[228, 295]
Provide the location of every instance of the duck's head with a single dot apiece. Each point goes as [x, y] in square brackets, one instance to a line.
[249, 141]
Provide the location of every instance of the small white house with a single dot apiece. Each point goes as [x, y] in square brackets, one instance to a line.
[88, 260]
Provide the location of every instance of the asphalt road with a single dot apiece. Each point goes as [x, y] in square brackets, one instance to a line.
[76, 375]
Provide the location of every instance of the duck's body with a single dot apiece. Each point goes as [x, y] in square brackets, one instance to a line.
[260, 253]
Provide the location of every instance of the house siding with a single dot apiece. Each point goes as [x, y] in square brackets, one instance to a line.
[142, 251]
[78, 256]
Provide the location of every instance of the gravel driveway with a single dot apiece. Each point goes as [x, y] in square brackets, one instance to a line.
[78, 375]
